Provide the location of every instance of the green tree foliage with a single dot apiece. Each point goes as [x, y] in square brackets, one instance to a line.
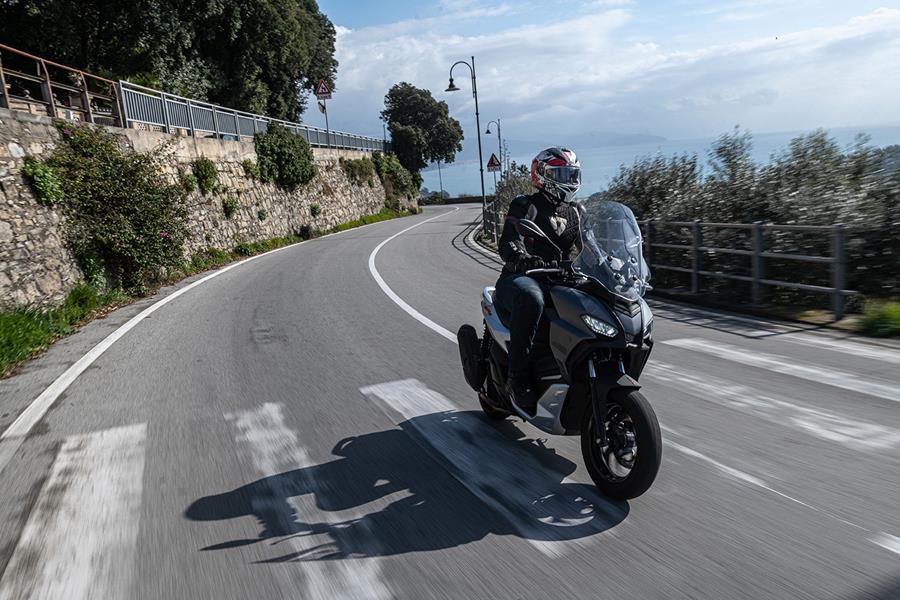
[283, 158]
[206, 175]
[397, 181]
[248, 54]
[515, 181]
[422, 129]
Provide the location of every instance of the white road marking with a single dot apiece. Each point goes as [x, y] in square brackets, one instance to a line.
[787, 366]
[845, 346]
[18, 430]
[544, 507]
[80, 538]
[826, 425]
[274, 450]
[397, 299]
[478, 247]
[888, 542]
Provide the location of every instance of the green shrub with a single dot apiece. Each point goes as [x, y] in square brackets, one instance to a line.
[251, 169]
[262, 214]
[305, 232]
[359, 171]
[397, 181]
[206, 174]
[284, 158]
[44, 182]
[881, 319]
[124, 223]
[230, 206]
[315, 210]
[187, 180]
[243, 249]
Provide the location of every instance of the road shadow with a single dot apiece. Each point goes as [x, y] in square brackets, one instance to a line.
[746, 327]
[402, 498]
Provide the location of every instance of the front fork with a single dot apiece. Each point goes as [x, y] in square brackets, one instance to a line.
[598, 400]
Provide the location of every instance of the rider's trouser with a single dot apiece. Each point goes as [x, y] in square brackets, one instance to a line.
[522, 297]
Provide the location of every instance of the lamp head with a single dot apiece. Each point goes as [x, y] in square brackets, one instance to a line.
[452, 87]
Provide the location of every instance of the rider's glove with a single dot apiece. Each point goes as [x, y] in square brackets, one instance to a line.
[527, 263]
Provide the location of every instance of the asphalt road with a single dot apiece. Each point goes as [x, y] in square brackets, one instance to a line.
[294, 427]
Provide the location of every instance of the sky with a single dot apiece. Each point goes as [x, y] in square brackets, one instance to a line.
[681, 69]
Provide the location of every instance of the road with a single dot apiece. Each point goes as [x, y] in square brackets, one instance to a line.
[298, 426]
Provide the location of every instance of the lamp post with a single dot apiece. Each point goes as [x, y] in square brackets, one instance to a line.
[499, 152]
[453, 88]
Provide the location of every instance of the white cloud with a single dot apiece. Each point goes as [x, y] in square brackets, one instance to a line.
[578, 75]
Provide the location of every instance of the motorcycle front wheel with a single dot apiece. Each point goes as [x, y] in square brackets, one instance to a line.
[627, 465]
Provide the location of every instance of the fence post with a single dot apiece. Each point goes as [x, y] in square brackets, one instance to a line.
[47, 91]
[215, 121]
[756, 263]
[696, 262]
[838, 269]
[121, 107]
[165, 106]
[4, 93]
[86, 97]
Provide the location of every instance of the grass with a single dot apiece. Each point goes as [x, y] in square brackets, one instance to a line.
[881, 318]
[26, 332]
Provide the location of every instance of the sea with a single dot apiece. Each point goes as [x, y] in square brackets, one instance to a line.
[600, 164]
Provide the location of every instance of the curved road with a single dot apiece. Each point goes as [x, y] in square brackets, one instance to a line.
[288, 429]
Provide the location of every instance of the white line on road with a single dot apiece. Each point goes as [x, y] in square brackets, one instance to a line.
[543, 506]
[80, 539]
[18, 430]
[888, 542]
[787, 366]
[279, 457]
[397, 299]
[826, 425]
[845, 346]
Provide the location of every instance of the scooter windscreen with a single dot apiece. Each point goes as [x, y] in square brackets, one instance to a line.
[611, 249]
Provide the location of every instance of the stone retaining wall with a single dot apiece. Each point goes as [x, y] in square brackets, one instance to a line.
[36, 268]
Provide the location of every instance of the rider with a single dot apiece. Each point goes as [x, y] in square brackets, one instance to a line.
[556, 174]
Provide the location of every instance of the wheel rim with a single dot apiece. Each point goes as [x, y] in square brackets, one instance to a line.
[615, 460]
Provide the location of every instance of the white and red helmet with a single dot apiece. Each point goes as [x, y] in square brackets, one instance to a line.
[557, 172]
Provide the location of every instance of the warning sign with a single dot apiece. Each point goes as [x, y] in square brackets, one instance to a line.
[493, 163]
[323, 92]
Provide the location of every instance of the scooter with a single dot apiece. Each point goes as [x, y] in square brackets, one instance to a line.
[593, 341]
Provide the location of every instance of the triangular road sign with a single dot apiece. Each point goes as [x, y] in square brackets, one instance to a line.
[493, 163]
[323, 92]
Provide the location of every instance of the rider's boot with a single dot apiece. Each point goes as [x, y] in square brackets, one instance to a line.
[521, 395]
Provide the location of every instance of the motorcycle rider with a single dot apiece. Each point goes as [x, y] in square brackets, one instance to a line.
[556, 173]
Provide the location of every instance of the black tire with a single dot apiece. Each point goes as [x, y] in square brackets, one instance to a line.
[647, 440]
[494, 414]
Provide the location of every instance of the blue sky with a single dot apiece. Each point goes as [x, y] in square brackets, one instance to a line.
[679, 69]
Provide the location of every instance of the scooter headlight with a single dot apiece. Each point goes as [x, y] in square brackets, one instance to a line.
[601, 327]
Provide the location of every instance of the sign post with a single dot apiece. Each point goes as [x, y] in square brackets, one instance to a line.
[323, 93]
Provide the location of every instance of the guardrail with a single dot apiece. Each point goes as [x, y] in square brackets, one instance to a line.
[32, 84]
[152, 108]
[758, 255]
[757, 252]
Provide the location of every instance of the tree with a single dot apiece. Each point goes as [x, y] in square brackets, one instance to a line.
[422, 129]
[255, 55]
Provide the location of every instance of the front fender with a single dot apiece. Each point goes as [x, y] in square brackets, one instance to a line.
[579, 397]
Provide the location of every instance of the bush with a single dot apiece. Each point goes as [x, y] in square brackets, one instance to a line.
[284, 158]
[881, 319]
[206, 174]
[124, 223]
[251, 169]
[43, 180]
[359, 171]
[229, 206]
[315, 210]
[262, 214]
[187, 180]
[397, 181]
[305, 232]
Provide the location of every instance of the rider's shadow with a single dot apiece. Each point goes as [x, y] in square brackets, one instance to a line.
[515, 486]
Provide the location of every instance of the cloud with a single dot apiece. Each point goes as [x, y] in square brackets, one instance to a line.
[578, 74]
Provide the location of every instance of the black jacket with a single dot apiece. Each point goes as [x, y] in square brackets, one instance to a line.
[559, 222]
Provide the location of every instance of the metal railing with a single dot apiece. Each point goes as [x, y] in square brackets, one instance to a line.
[170, 113]
[32, 84]
[758, 254]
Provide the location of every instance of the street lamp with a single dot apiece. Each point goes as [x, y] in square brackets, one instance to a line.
[499, 151]
[452, 88]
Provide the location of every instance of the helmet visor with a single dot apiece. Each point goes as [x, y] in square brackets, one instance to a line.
[564, 175]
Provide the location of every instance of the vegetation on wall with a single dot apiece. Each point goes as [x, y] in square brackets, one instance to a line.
[315, 210]
[187, 180]
[256, 56]
[229, 206]
[251, 169]
[397, 181]
[359, 171]
[206, 174]
[124, 223]
[44, 181]
[284, 158]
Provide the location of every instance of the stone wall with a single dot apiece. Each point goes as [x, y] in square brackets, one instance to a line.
[36, 268]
